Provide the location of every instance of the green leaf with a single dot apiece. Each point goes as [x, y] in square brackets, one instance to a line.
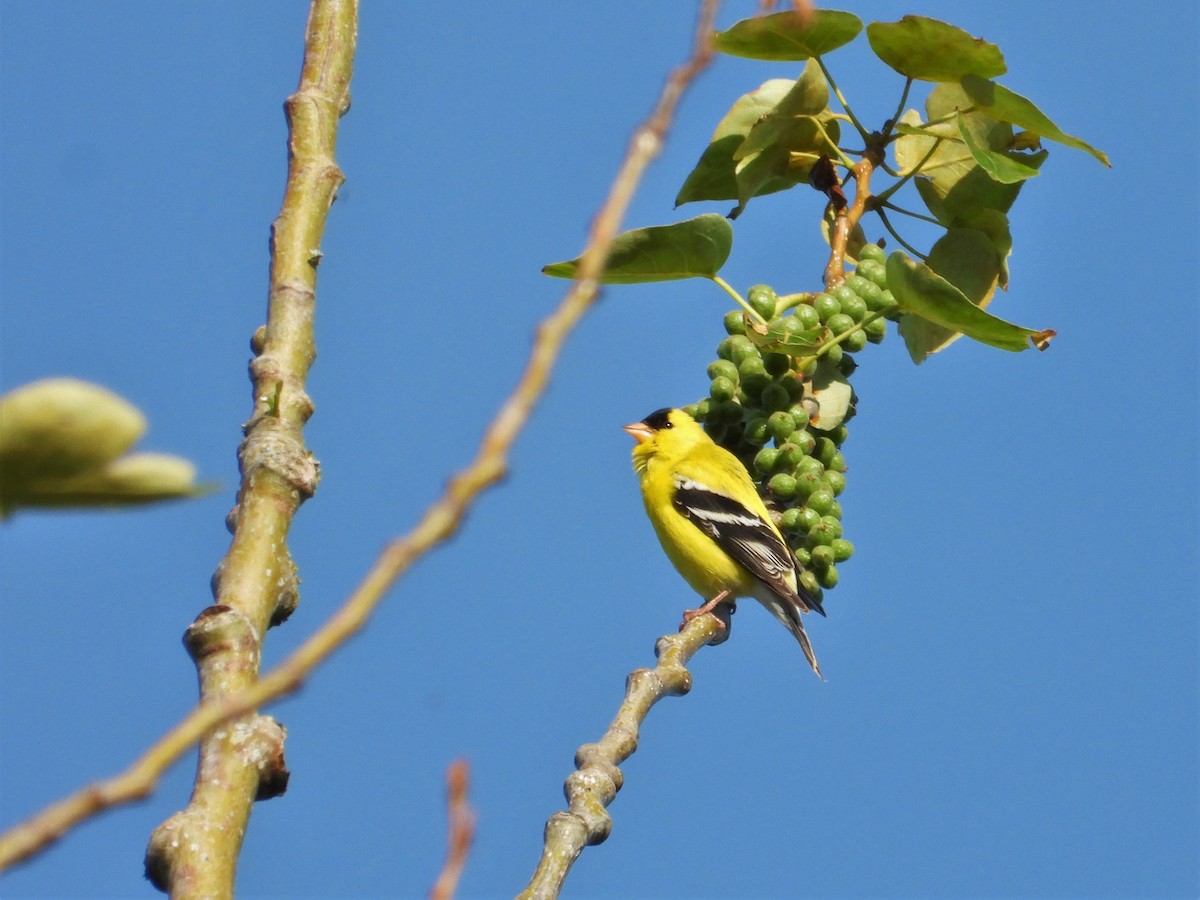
[921, 291]
[1001, 103]
[930, 50]
[969, 260]
[696, 248]
[833, 392]
[998, 166]
[790, 127]
[789, 36]
[714, 176]
[781, 336]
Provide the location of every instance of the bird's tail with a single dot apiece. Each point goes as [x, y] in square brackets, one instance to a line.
[788, 612]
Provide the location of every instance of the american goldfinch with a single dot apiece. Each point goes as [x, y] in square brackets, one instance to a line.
[712, 523]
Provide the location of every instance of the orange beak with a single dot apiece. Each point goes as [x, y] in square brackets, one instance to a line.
[639, 431]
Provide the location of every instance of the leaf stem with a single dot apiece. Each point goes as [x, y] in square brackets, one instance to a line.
[737, 298]
[882, 196]
[837, 92]
[909, 212]
[903, 243]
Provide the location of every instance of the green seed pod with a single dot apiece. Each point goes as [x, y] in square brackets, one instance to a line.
[807, 315]
[782, 485]
[825, 451]
[847, 366]
[779, 423]
[855, 308]
[808, 368]
[820, 534]
[839, 323]
[777, 363]
[829, 578]
[790, 455]
[831, 526]
[735, 323]
[820, 500]
[826, 305]
[799, 414]
[723, 368]
[886, 303]
[722, 389]
[855, 342]
[756, 433]
[742, 349]
[766, 460]
[842, 549]
[809, 464]
[775, 397]
[808, 519]
[837, 463]
[803, 556]
[790, 519]
[807, 483]
[858, 284]
[700, 411]
[843, 292]
[875, 330]
[809, 582]
[835, 508]
[834, 354]
[806, 441]
[837, 482]
[838, 435]
[822, 557]
[762, 300]
[727, 413]
[873, 252]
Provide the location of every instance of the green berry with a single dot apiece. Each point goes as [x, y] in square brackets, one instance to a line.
[858, 283]
[735, 322]
[808, 368]
[820, 534]
[799, 414]
[811, 586]
[831, 526]
[766, 460]
[834, 354]
[807, 483]
[829, 578]
[782, 485]
[806, 441]
[790, 519]
[835, 508]
[753, 375]
[839, 323]
[756, 432]
[886, 303]
[723, 368]
[810, 464]
[807, 315]
[837, 482]
[722, 389]
[855, 308]
[793, 385]
[727, 413]
[808, 519]
[875, 330]
[700, 411]
[838, 435]
[743, 349]
[779, 423]
[762, 300]
[855, 342]
[826, 305]
[822, 557]
[842, 549]
[820, 500]
[843, 292]
[873, 252]
[803, 556]
[775, 397]
[848, 364]
[777, 363]
[790, 455]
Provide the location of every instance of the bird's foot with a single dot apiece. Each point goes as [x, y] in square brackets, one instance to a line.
[721, 607]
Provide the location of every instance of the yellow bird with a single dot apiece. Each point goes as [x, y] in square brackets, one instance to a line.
[713, 525]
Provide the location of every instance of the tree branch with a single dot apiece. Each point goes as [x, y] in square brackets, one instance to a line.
[596, 779]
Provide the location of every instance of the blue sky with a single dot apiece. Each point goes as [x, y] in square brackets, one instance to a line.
[1012, 703]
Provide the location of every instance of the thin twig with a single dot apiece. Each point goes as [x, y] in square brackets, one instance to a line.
[461, 824]
[847, 218]
[439, 522]
[596, 779]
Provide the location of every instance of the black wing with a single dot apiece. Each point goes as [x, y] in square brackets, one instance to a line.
[741, 534]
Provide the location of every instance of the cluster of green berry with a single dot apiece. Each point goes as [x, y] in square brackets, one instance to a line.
[779, 399]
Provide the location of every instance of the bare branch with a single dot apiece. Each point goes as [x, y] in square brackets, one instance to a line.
[462, 831]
